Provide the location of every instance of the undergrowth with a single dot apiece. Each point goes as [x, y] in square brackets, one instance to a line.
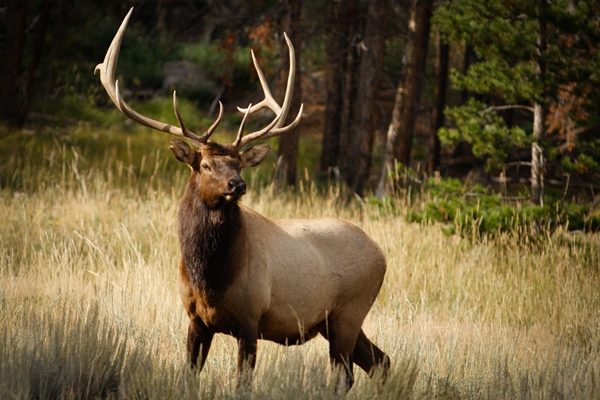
[472, 209]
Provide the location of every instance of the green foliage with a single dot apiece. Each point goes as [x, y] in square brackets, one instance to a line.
[504, 42]
[485, 130]
[143, 57]
[38, 160]
[477, 211]
[70, 65]
[494, 28]
[228, 63]
[161, 108]
[584, 163]
[314, 55]
[69, 110]
[516, 82]
[527, 53]
[394, 55]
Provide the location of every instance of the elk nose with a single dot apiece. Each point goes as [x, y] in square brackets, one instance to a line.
[237, 185]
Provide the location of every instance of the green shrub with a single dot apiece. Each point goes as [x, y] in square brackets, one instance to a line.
[476, 210]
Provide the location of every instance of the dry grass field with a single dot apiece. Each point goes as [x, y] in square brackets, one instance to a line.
[89, 306]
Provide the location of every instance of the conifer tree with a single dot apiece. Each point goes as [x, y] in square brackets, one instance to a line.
[538, 58]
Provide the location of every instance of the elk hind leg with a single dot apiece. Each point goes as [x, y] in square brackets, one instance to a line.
[369, 357]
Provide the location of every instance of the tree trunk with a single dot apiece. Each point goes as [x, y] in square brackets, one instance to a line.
[336, 48]
[439, 101]
[34, 61]
[12, 56]
[400, 132]
[355, 30]
[362, 130]
[537, 154]
[341, 79]
[468, 59]
[537, 158]
[288, 143]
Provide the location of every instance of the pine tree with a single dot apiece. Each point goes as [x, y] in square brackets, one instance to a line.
[534, 57]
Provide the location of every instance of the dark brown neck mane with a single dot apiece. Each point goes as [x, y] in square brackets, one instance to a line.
[206, 236]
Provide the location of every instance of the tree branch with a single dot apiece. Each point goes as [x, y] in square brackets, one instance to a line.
[506, 107]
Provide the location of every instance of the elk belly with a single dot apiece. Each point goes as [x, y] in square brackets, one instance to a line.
[285, 329]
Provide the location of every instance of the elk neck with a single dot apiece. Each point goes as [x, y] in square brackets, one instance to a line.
[207, 236]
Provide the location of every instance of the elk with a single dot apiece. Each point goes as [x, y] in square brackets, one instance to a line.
[251, 277]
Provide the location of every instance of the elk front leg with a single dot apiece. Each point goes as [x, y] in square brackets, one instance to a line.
[247, 341]
[199, 340]
[342, 340]
[342, 360]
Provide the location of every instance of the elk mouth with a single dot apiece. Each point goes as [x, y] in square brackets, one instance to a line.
[237, 188]
[234, 194]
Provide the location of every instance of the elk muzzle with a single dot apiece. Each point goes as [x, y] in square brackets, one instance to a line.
[237, 188]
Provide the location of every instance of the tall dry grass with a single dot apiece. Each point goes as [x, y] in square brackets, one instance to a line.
[89, 306]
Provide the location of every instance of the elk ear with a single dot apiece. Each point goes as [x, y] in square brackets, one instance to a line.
[254, 156]
[182, 151]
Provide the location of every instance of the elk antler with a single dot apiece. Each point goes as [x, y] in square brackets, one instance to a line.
[275, 128]
[107, 77]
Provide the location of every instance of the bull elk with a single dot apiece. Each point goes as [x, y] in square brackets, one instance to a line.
[251, 277]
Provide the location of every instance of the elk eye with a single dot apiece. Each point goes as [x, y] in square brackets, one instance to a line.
[206, 167]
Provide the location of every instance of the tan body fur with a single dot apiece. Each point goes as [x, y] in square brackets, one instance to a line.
[320, 268]
[254, 278]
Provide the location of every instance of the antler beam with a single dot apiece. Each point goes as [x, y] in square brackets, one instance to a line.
[275, 128]
[107, 77]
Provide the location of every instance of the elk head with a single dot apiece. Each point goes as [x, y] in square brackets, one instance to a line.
[215, 166]
[216, 169]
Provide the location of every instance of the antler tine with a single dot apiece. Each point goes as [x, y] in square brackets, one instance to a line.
[275, 127]
[242, 125]
[190, 135]
[177, 114]
[268, 101]
[107, 77]
[214, 125]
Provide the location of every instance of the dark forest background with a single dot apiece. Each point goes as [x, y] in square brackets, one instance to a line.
[504, 95]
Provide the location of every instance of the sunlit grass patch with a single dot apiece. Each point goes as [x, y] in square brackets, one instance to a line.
[89, 306]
